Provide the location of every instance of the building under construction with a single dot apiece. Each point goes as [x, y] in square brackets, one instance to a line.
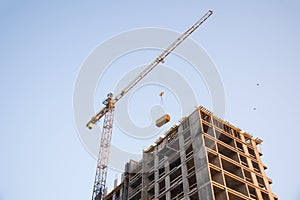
[203, 158]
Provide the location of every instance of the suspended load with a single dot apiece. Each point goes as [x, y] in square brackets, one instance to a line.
[163, 120]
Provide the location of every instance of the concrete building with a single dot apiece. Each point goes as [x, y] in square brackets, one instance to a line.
[204, 158]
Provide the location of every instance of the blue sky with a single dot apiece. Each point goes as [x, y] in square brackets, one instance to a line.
[44, 43]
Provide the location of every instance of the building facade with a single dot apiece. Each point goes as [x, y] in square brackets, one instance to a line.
[203, 157]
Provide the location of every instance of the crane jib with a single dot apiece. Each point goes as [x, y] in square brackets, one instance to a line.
[150, 67]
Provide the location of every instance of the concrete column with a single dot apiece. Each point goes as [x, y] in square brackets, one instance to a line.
[167, 180]
[156, 175]
[183, 165]
[200, 158]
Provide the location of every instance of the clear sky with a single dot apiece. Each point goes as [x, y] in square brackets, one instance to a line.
[44, 43]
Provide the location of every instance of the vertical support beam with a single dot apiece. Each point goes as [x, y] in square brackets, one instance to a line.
[200, 158]
[260, 164]
[102, 163]
[250, 166]
[156, 175]
[144, 179]
[183, 166]
[222, 171]
[167, 180]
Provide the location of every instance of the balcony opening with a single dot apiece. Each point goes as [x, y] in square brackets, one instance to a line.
[151, 193]
[251, 152]
[219, 193]
[256, 167]
[161, 172]
[208, 130]
[244, 161]
[175, 163]
[261, 182]
[210, 143]
[248, 176]
[192, 182]
[236, 185]
[161, 186]
[175, 176]
[252, 192]
[228, 152]
[224, 138]
[236, 134]
[227, 129]
[216, 176]
[151, 176]
[189, 152]
[187, 136]
[177, 192]
[194, 196]
[190, 166]
[234, 197]
[232, 168]
[239, 146]
[135, 182]
[137, 196]
[213, 159]
[163, 197]
[205, 117]
[218, 124]
[265, 196]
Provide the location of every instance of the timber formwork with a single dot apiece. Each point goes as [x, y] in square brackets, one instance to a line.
[204, 158]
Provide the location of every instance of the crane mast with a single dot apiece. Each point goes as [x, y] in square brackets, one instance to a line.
[108, 111]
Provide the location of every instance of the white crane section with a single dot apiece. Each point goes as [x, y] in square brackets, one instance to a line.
[108, 111]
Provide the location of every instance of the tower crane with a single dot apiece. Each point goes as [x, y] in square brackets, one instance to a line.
[109, 106]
